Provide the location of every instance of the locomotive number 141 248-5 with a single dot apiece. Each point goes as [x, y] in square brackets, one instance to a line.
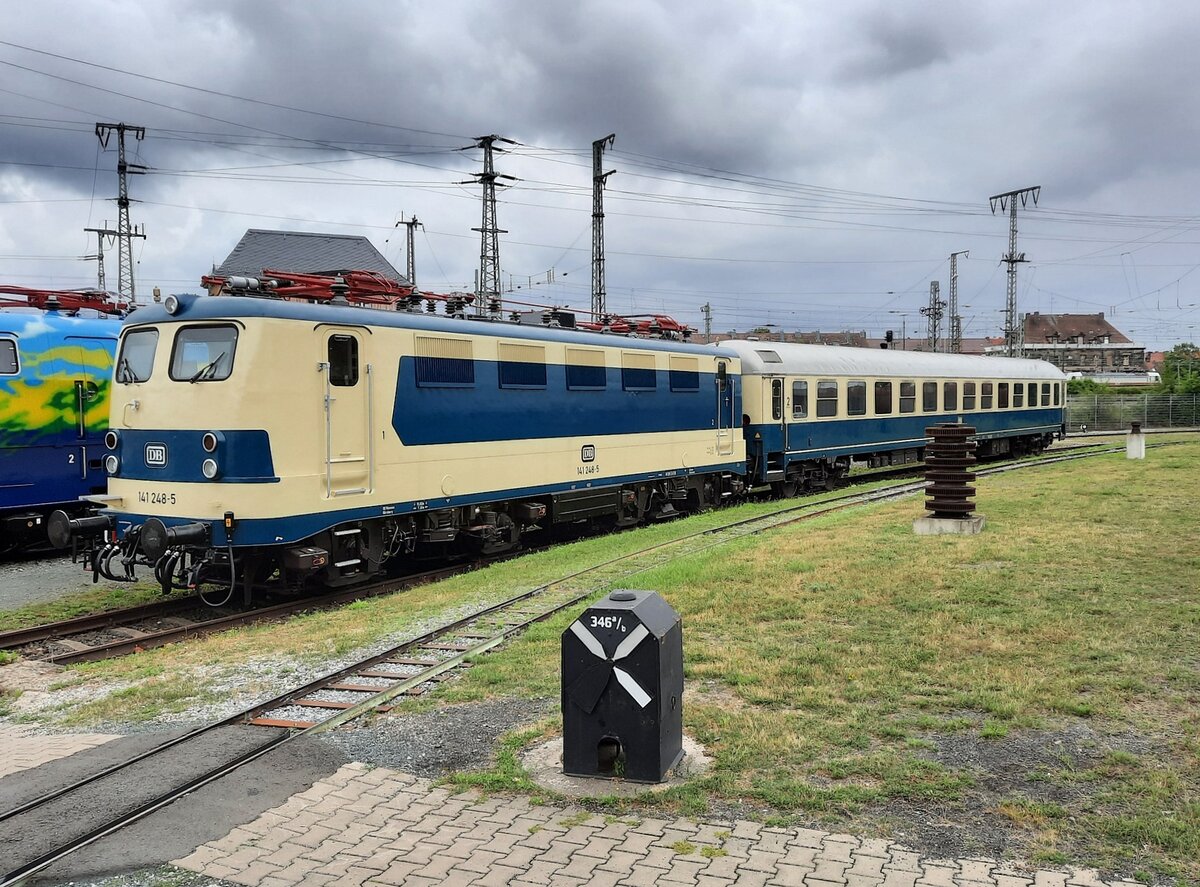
[148, 497]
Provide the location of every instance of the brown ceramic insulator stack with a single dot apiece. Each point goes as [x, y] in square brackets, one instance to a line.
[948, 459]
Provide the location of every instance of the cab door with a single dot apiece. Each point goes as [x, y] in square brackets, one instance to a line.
[349, 462]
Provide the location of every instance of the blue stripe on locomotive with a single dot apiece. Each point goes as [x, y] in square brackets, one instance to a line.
[286, 530]
[243, 457]
[465, 413]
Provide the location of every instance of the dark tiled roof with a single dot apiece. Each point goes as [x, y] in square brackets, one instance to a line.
[305, 252]
[1041, 329]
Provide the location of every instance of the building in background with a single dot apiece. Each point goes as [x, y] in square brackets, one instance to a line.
[1086, 344]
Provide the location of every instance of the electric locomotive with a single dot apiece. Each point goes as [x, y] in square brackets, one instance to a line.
[54, 391]
[812, 410]
[257, 443]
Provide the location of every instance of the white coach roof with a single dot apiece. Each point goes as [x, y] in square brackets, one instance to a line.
[782, 358]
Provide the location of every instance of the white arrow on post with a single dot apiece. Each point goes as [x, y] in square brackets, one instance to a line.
[627, 646]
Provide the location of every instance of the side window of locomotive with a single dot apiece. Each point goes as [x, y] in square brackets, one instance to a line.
[856, 398]
[684, 373]
[1003, 395]
[883, 398]
[827, 399]
[799, 400]
[343, 361]
[1045, 394]
[1018, 395]
[968, 395]
[137, 356]
[8, 358]
[929, 397]
[950, 396]
[986, 396]
[203, 353]
[585, 370]
[908, 397]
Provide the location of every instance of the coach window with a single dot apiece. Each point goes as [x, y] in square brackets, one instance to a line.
[883, 398]
[929, 397]
[827, 399]
[205, 354]
[1018, 395]
[908, 397]
[1045, 394]
[968, 395]
[137, 356]
[1002, 393]
[1033, 394]
[343, 361]
[950, 397]
[1057, 388]
[856, 398]
[777, 399]
[985, 396]
[8, 358]
[799, 400]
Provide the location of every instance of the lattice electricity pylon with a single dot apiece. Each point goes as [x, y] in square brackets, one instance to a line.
[599, 298]
[488, 301]
[933, 313]
[954, 346]
[125, 231]
[1008, 201]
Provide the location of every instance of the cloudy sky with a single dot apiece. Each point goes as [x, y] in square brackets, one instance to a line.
[802, 164]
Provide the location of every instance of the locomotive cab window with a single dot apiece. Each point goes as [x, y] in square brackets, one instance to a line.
[908, 397]
[343, 361]
[985, 397]
[1018, 394]
[8, 358]
[137, 356]
[1002, 394]
[827, 399]
[883, 398]
[968, 395]
[950, 397]
[856, 398]
[203, 353]
[929, 397]
[799, 400]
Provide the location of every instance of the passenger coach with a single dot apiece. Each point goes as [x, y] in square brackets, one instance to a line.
[808, 410]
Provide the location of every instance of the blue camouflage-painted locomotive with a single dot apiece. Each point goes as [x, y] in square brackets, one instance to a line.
[55, 376]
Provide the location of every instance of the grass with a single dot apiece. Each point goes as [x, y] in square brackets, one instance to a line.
[81, 604]
[828, 663]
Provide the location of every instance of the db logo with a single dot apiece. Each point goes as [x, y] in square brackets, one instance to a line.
[588, 453]
[156, 454]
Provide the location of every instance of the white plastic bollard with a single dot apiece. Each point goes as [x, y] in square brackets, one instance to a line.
[1135, 442]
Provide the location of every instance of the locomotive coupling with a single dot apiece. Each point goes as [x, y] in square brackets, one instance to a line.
[156, 537]
[62, 529]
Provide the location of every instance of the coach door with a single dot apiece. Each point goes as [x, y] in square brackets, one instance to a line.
[725, 418]
[349, 460]
[777, 410]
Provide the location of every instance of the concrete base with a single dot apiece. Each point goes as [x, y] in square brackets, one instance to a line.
[938, 526]
[544, 763]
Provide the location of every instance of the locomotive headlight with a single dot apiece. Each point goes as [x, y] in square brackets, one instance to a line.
[209, 442]
[111, 439]
[111, 464]
[209, 469]
[171, 303]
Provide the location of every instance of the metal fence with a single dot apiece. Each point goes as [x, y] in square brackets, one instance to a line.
[1116, 413]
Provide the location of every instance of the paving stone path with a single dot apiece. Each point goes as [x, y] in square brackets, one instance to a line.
[364, 826]
[23, 750]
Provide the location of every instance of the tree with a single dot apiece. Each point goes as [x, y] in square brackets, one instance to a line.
[1181, 369]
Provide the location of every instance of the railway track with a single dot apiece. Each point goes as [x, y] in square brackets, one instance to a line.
[133, 629]
[411, 668]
